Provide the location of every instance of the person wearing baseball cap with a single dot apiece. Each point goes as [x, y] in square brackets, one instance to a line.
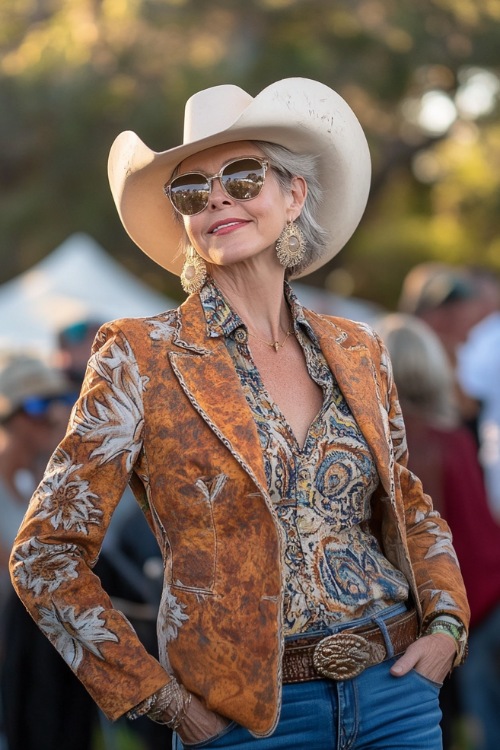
[33, 413]
[310, 591]
[31, 424]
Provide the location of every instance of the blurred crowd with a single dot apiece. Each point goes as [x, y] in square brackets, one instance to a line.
[444, 343]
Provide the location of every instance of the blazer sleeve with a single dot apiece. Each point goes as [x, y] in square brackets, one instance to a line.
[427, 536]
[59, 540]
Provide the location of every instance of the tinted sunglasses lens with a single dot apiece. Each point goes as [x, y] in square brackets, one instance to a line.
[243, 179]
[36, 406]
[189, 193]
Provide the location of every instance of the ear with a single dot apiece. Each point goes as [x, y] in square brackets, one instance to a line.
[298, 193]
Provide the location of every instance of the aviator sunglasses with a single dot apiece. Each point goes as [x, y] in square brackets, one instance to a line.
[241, 179]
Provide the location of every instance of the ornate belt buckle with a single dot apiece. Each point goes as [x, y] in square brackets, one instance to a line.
[344, 655]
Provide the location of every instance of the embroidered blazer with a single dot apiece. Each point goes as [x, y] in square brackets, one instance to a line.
[162, 408]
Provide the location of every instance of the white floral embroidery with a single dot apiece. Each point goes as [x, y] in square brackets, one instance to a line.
[444, 602]
[65, 498]
[72, 634]
[397, 427]
[170, 619]
[418, 515]
[45, 567]
[114, 417]
[171, 615]
[443, 545]
[211, 488]
[164, 328]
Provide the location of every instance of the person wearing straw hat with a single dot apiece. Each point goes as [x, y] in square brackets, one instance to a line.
[311, 595]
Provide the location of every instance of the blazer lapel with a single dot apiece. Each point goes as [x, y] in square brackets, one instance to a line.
[353, 368]
[206, 373]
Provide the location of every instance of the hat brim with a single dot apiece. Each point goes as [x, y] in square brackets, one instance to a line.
[302, 115]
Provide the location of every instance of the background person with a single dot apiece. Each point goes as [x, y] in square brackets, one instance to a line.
[445, 298]
[448, 300]
[34, 410]
[443, 453]
[479, 376]
[74, 343]
[266, 446]
[43, 705]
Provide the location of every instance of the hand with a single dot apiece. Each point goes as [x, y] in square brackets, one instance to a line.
[431, 656]
[199, 723]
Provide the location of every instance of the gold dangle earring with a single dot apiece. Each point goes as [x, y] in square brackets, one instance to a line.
[194, 272]
[291, 245]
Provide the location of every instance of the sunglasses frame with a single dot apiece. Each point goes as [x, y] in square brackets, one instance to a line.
[264, 164]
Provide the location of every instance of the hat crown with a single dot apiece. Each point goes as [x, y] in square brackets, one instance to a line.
[213, 110]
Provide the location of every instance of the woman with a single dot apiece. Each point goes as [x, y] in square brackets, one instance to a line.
[266, 447]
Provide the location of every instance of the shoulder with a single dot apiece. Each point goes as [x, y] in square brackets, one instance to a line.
[349, 333]
[161, 327]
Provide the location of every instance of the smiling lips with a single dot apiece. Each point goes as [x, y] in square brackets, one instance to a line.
[223, 227]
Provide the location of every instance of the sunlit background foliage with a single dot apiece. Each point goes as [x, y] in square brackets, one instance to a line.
[423, 78]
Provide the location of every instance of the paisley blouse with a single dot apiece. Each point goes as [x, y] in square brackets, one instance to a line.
[334, 568]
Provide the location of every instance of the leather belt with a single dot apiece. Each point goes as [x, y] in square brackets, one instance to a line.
[344, 655]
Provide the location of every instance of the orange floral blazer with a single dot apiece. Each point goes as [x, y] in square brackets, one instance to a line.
[162, 408]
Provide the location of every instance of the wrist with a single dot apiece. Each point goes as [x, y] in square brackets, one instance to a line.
[142, 708]
[454, 628]
[171, 705]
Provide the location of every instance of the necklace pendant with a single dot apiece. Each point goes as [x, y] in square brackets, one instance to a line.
[276, 346]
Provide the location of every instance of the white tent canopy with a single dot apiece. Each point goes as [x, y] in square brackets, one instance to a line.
[78, 280]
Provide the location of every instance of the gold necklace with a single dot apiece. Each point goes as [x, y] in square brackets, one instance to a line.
[273, 344]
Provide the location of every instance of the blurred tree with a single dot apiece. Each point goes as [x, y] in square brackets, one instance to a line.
[423, 79]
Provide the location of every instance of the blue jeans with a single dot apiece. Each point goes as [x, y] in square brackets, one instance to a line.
[373, 711]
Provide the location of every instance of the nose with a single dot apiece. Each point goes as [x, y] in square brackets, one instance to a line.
[217, 195]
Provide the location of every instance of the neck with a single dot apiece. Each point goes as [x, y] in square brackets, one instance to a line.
[260, 303]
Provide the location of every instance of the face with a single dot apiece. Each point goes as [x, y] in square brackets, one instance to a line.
[229, 231]
[40, 431]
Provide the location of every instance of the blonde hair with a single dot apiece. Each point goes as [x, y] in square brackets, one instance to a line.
[422, 371]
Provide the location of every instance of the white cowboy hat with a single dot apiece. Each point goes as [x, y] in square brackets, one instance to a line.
[303, 115]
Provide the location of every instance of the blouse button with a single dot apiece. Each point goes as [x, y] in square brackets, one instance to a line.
[241, 336]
